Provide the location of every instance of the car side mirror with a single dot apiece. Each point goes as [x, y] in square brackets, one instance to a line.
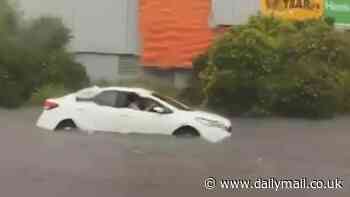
[159, 110]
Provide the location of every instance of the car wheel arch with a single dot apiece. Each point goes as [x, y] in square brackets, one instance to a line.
[186, 127]
[66, 122]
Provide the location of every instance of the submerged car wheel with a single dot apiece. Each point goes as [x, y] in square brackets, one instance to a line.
[66, 125]
[186, 132]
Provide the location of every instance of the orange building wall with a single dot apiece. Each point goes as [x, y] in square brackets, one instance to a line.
[174, 31]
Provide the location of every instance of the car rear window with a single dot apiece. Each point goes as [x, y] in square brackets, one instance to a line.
[107, 98]
[87, 94]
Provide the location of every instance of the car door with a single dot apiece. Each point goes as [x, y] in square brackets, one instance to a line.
[127, 120]
[103, 112]
[151, 122]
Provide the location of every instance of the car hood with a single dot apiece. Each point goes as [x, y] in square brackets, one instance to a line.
[211, 116]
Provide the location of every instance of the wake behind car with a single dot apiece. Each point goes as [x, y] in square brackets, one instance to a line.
[130, 110]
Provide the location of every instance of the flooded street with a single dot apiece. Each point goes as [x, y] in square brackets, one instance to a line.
[36, 163]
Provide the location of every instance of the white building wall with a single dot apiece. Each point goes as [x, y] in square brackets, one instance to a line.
[102, 30]
[103, 26]
[133, 32]
[100, 67]
[233, 12]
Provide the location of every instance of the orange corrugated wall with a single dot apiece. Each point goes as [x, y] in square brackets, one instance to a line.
[174, 31]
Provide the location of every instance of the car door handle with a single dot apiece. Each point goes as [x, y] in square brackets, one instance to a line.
[124, 115]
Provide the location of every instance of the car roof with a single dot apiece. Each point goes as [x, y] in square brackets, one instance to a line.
[140, 91]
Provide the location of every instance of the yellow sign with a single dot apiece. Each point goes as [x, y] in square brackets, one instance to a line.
[293, 9]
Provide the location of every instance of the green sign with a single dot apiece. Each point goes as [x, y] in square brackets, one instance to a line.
[339, 10]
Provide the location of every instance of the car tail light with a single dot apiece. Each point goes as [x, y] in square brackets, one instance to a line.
[49, 104]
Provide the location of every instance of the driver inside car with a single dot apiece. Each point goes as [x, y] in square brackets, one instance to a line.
[134, 102]
[149, 106]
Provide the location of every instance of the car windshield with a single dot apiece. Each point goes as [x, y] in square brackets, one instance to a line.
[172, 102]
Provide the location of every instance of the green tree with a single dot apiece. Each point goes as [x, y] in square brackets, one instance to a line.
[276, 66]
[33, 54]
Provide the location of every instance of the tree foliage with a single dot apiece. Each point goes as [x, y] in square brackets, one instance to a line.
[275, 66]
[33, 54]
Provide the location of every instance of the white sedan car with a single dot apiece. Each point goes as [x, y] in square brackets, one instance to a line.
[130, 110]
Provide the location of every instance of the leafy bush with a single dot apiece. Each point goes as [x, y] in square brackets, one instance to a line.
[276, 66]
[314, 96]
[344, 89]
[10, 96]
[194, 94]
[45, 92]
[33, 54]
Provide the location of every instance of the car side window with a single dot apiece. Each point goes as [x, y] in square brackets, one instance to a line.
[107, 98]
[122, 101]
[149, 104]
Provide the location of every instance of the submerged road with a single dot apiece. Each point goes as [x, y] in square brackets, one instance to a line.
[37, 163]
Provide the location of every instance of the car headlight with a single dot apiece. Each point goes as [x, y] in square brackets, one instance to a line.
[211, 123]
